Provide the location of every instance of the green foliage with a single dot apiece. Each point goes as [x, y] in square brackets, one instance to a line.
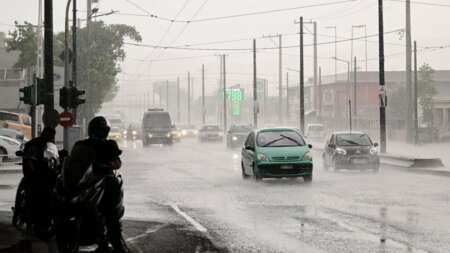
[99, 52]
[24, 40]
[426, 90]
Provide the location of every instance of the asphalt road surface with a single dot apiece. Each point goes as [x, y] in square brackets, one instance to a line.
[191, 197]
[392, 211]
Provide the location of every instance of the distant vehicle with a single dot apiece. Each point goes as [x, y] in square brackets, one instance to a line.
[351, 150]
[117, 128]
[156, 127]
[8, 148]
[188, 131]
[132, 132]
[210, 133]
[315, 132]
[176, 134]
[276, 153]
[18, 121]
[236, 135]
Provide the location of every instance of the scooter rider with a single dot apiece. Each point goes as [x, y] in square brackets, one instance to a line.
[84, 154]
[39, 181]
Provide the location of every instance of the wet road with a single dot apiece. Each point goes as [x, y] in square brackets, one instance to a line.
[393, 211]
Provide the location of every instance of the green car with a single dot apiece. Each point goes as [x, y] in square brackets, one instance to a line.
[276, 153]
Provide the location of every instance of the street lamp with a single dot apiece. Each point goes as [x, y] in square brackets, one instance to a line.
[365, 39]
[349, 89]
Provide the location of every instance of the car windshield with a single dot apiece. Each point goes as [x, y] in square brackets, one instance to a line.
[285, 138]
[353, 140]
[157, 120]
[210, 128]
[9, 117]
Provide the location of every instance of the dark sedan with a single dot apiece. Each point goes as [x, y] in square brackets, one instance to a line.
[236, 135]
[210, 133]
[351, 150]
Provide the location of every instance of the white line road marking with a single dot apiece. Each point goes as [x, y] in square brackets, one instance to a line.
[149, 231]
[194, 223]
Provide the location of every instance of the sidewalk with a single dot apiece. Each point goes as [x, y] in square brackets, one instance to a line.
[435, 150]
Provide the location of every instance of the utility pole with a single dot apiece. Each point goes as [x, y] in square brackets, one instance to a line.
[203, 95]
[153, 95]
[167, 95]
[225, 111]
[74, 50]
[355, 87]
[255, 93]
[48, 61]
[408, 71]
[320, 94]
[189, 99]
[178, 100]
[416, 116]
[287, 96]
[382, 94]
[302, 80]
[350, 114]
[315, 66]
[89, 105]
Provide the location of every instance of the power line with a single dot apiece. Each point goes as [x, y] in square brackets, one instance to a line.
[249, 49]
[193, 20]
[423, 3]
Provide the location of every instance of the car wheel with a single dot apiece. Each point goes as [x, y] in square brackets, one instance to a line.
[3, 155]
[307, 179]
[256, 174]
[244, 175]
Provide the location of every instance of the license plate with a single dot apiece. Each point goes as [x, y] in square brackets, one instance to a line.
[286, 167]
[359, 161]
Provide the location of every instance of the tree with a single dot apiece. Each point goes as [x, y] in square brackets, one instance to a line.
[99, 52]
[426, 90]
[24, 40]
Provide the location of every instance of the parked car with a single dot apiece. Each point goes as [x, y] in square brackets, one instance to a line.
[8, 148]
[276, 153]
[315, 132]
[18, 121]
[13, 133]
[210, 133]
[351, 150]
[236, 135]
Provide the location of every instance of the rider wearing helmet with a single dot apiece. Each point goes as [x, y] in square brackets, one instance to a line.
[98, 152]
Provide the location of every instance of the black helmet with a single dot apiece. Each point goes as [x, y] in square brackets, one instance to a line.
[98, 128]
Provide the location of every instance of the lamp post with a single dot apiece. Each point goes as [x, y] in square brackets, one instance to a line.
[365, 40]
[335, 51]
[349, 89]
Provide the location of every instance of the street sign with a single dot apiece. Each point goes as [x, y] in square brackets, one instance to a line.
[66, 119]
[51, 119]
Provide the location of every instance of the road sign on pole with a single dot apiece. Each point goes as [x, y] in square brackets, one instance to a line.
[66, 119]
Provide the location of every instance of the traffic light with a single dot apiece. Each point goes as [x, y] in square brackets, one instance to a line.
[74, 100]
[41, 92]
[27, 97]
[64, 97]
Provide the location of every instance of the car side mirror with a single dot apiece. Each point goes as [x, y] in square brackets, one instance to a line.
[310, 146]
[19, 153]
[375, 144]
[248, 147]
[331, 145]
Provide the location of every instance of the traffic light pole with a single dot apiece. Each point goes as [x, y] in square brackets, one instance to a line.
[74, 49]
[48, 60]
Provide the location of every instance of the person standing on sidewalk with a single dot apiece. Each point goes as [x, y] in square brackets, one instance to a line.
[39, 180]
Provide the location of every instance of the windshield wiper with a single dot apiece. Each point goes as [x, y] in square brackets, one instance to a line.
[291, 139]
[272, 142]
[279, 139]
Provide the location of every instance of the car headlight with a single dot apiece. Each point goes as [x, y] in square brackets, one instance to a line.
[262, 157]
[183, 132]
[125, 132]
[134, 132]
[341, 151]
[307, 156]
[168, 134]
[150, 135]
[373, 151]
[195, 132]
[234, 138]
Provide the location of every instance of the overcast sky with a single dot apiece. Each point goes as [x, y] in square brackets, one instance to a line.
[430, 28]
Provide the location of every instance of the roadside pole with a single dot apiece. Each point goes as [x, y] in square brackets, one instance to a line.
[167, 95]
[416, 116]
[409, 123]
[225, 111]
[287, 97]
[66, 69]
[302, 80]
[74, 50]
[189, 99]
[355, 89]
[48, 62]
[178, 101]
[382, 93]
[203, 95]
[255, 93]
